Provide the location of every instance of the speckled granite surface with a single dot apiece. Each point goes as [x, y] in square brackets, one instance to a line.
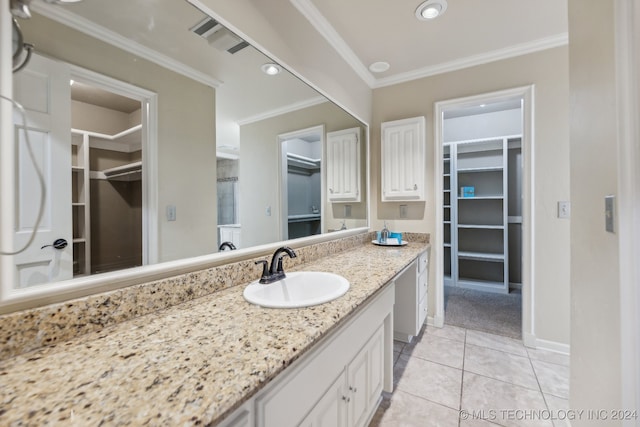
[31, 329]
[190, 364]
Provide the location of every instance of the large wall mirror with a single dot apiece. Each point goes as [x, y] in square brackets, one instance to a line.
[164, 136]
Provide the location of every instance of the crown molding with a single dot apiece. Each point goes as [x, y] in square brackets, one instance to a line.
[324, 27]
[474, 60]
[89, 28]
[283, 110]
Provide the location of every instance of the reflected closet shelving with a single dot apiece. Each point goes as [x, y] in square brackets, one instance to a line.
[475, 222]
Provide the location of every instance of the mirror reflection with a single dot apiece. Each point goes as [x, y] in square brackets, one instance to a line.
[164, 136]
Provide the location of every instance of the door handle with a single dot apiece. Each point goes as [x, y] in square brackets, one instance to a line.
[57, 244]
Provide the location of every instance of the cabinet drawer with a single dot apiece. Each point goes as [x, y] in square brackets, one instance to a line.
[422, 285]
[422, 311]
[423, 262]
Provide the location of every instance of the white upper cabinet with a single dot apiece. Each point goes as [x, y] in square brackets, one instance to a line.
[403, 160]
[343, 165]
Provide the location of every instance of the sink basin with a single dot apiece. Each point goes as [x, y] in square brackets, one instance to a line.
[298, 289]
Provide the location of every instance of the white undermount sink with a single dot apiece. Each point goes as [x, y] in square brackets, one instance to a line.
[298, 289]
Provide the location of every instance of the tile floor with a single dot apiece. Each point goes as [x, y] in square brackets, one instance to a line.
[459, 377]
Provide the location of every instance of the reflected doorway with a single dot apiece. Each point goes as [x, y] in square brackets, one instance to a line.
[301, 186]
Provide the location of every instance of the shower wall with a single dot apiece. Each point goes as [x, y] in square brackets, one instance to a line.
[227, 188]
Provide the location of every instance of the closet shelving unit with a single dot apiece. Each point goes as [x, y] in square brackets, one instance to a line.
[80, 173]
[476, 227]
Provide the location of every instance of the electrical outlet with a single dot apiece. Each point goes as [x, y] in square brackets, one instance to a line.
[171, 212]
[564, 210]
[403, 211]
[347, 211]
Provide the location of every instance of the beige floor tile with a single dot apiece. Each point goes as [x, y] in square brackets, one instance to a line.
[496, 342]
[440, 350]
[406, 410]
[398, 345]
[502, 403]
[500, 366]
[476, 423]
[437, 383]
[548, 356]
[447, 331]
[558, 408]
[553, 379]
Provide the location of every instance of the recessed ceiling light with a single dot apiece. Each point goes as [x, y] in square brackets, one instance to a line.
[431, 9]
[379, 67]
[483, 105]
[271, 69]
[71, 82]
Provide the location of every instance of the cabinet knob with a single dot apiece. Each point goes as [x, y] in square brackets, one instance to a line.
[346, 399]
[353, 389]
[331, 190]
[415, 186]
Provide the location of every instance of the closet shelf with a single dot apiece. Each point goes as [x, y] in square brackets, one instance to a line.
[77, 168]
[496, 197]
[303, 161]
[128, 172]
[127, 136]
[78, 204]
[481, 256]
[482, 226]
[482, 169]
[303, 218]
[79, 240]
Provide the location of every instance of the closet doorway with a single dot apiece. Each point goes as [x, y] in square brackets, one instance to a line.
[111, 174]
[480, 179]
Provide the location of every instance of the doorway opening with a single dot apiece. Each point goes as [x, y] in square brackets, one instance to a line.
[483, 148]
[301, 183]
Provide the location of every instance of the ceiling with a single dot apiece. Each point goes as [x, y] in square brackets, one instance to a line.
[470, 32]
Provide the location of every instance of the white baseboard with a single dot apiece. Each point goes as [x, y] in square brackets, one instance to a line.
[437, 321]
[539, 344]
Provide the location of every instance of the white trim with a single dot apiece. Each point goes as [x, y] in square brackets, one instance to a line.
[324, 27]
[76, 22]
[627, 32]
[528, 281]
[283, 185]
[149, 151]
[554, 346]
[283, 110]
[474, 60]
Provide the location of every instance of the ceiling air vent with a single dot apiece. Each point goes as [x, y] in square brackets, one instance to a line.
[219, 36]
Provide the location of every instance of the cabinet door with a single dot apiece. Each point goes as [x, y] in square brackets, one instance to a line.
[331, 409]
[375, 352]
[358, 376]
[343, 165]
[403, 160]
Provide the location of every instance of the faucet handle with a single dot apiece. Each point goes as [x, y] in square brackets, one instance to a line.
[265, 267]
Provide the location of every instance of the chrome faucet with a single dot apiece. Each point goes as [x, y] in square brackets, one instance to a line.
[229, 245]
[275, 272]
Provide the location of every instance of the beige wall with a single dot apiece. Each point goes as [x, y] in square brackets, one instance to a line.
[260, 171]
[99, 119]
[595, 282]
[277, 26]
[186, 133]
[548, 70]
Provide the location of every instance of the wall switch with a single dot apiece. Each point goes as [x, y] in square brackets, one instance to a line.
[347, 211]
[564, 210]
[403, 211]
[267, 211]
[609, 202]
[171, 212]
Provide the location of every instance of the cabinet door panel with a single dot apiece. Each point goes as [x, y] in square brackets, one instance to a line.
[343, 165]
[331, 409]
[358, 385]
[403, 160]
[375, 351]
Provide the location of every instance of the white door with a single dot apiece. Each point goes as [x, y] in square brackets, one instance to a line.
[43, 89]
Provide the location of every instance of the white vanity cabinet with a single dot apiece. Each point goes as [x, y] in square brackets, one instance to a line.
[343, 165]
[337, 383]
[410, 309]
[349, 400]
[403, 160]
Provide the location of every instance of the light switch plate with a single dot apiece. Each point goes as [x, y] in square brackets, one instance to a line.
[403, 211]
[347, 211]
[564, 210]
[609, 214]
[171, 212]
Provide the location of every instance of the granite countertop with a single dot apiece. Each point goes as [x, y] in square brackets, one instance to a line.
[190, 364]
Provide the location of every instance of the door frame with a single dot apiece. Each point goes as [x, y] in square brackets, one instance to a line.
[528, 194]
[283, 231]
[149, 117]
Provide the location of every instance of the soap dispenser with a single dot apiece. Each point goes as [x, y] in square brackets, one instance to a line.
[384, 234]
